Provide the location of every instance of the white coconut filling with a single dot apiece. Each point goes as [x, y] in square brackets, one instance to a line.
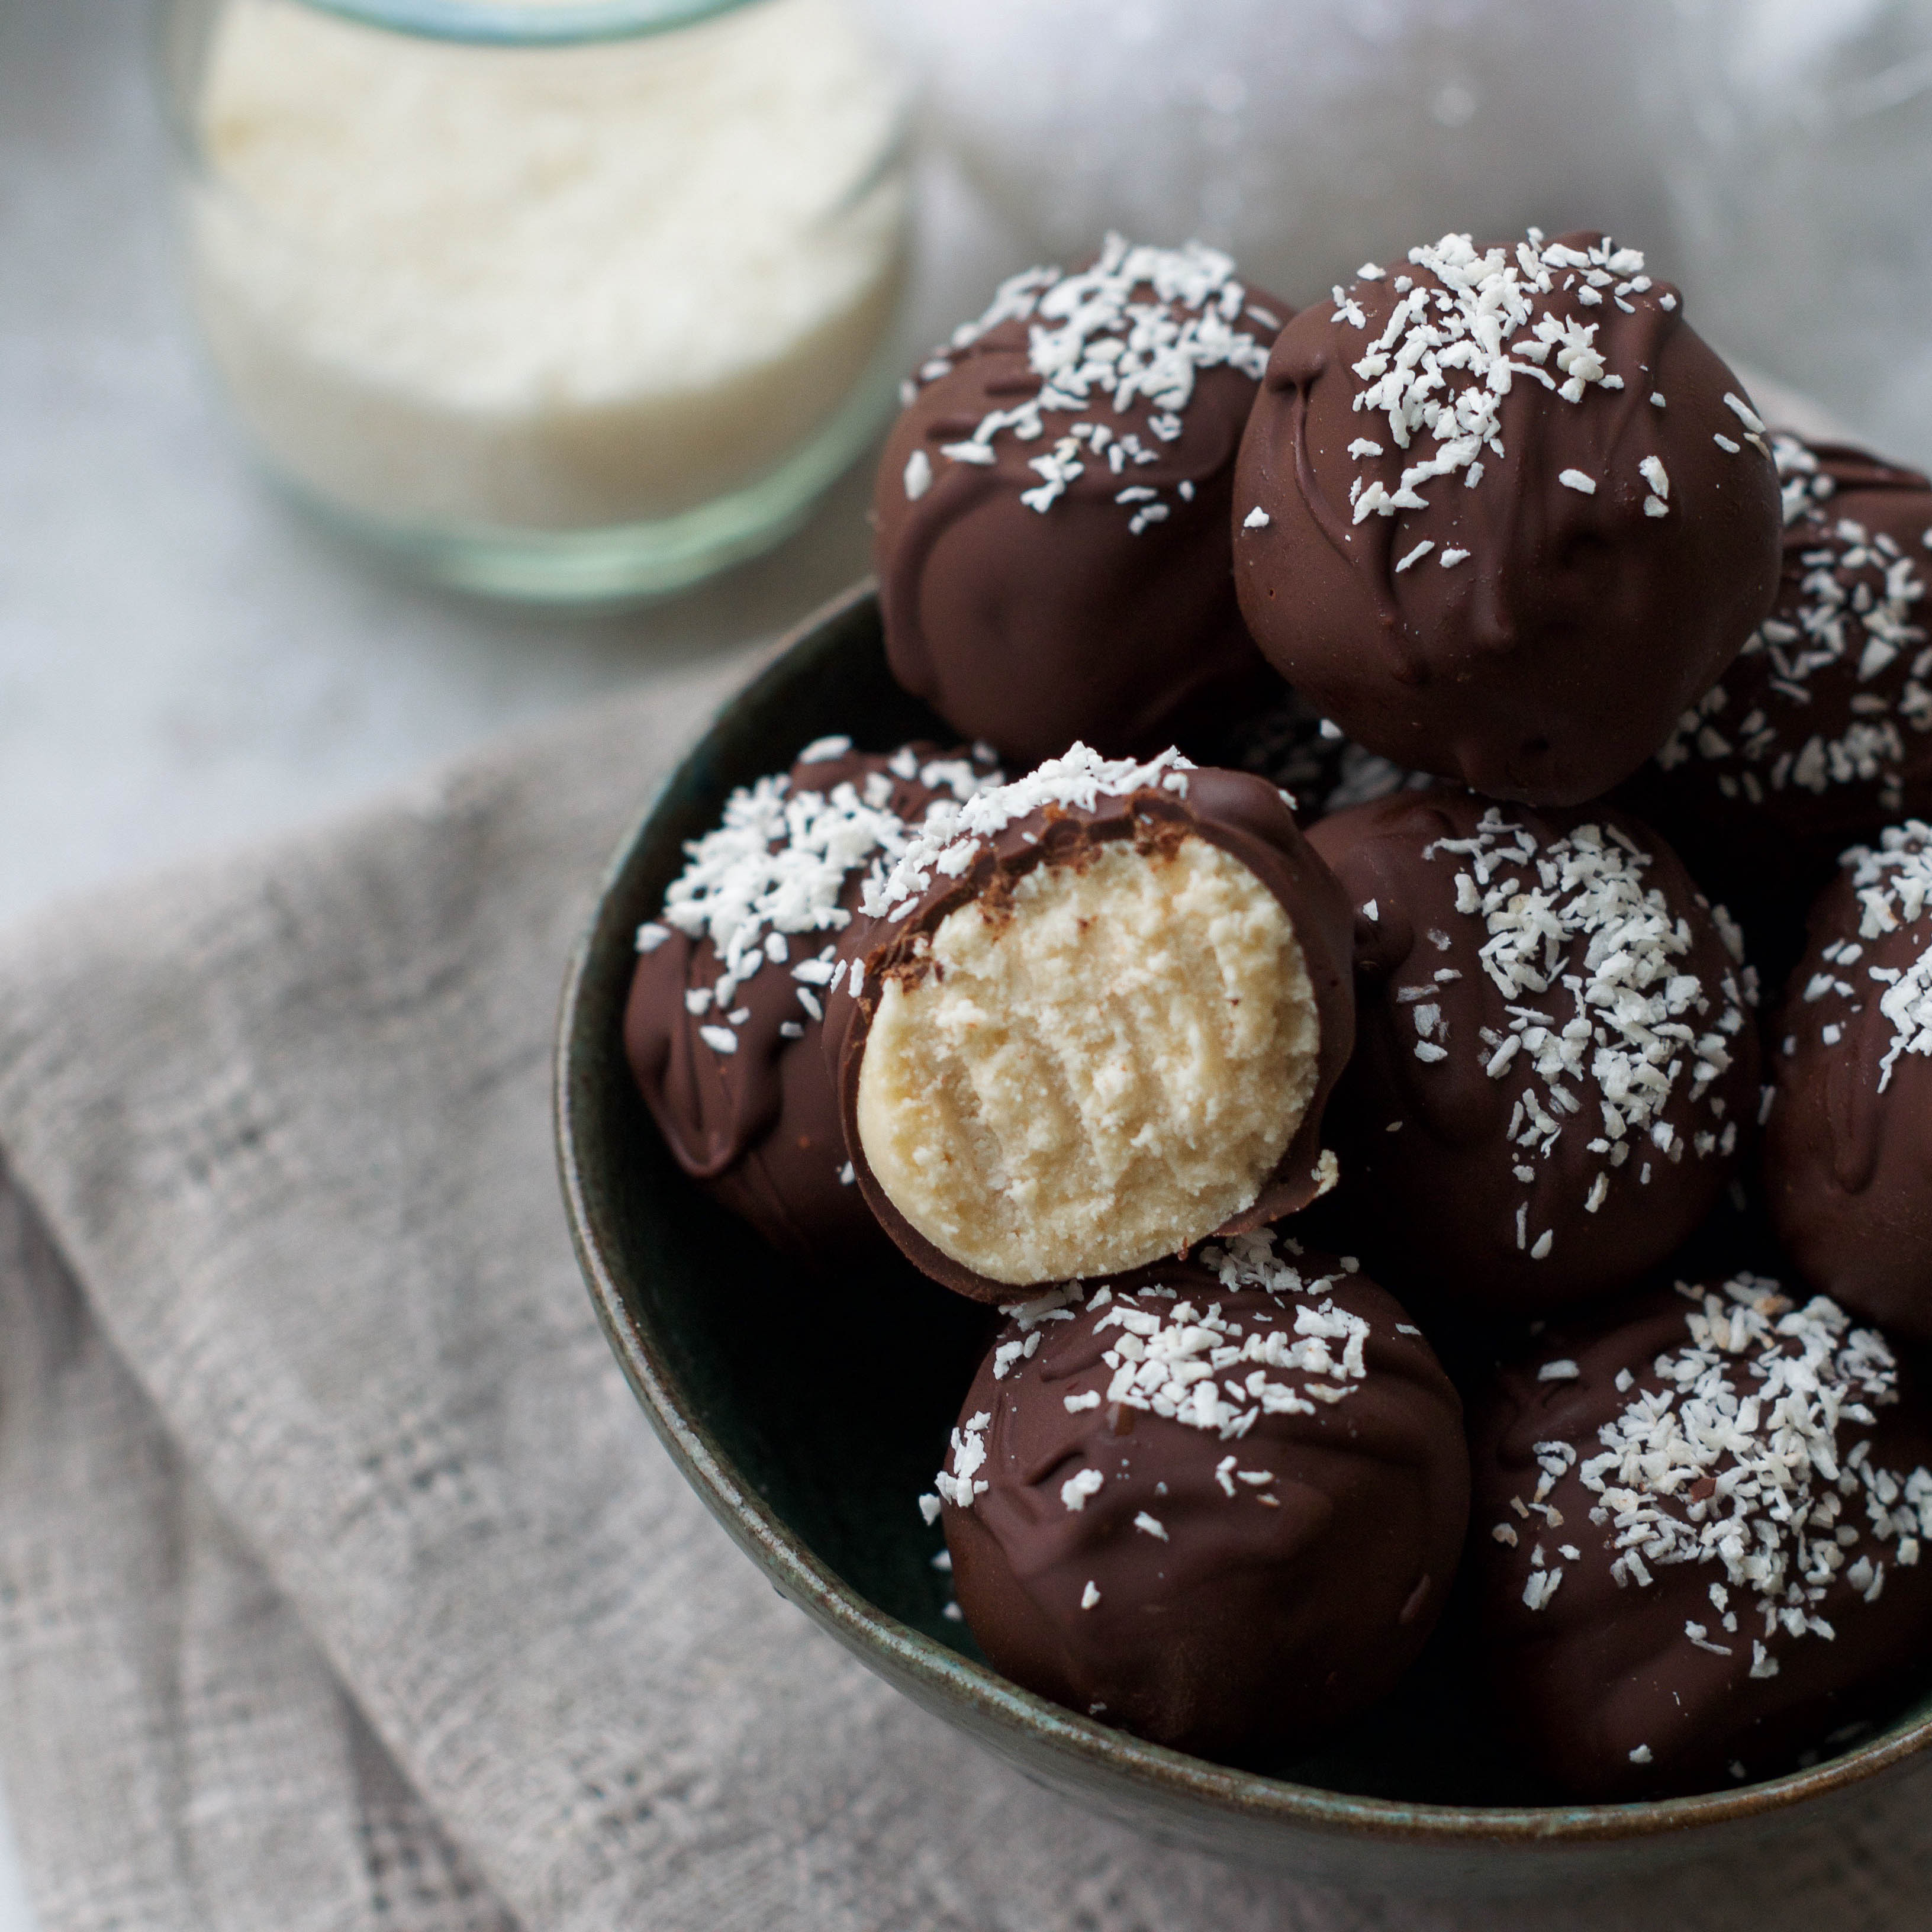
[1097, 1073]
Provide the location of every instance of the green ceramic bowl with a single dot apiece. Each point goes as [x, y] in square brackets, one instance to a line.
[730, 1353]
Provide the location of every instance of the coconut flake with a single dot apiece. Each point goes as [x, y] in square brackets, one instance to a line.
[954, 835]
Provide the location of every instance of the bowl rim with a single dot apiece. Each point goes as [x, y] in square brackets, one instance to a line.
[947, 1678]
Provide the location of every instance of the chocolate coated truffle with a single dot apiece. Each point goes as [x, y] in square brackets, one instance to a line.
[1052, 507]
[1502, 516]
[1848, 1151]
[1554, 1063]
[1218, 1503]
[1697, 1533]
[1822, 729]
[1096, 1021]
[723, 1026]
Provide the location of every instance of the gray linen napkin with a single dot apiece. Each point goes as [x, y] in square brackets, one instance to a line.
[342, 1584]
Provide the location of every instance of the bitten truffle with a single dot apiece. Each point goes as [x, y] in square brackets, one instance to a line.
[723, 1026]
[1697, 1535]
[1502, 516]
[1554, 1063]
[1052, 508]
[1822, 730]
[1095, 1020]
[1848, 1150]
[1218, 1503]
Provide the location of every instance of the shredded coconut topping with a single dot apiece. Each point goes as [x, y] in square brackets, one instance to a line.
[771, 873]
[1802, 482]
[1732, 1452]
[1606, 1025]
[1094, 337]
[968, 1457]
[954, 834]
[1209, 1368]
[1452, 349]
[1893, 885]
[1860, 605]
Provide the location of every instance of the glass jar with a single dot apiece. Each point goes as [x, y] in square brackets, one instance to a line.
[560, 302]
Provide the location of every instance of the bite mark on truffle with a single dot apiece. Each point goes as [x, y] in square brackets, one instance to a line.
[1034, 1132]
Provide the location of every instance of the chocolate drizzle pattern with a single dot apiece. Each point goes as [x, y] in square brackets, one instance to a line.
[1728, 1455]
[1478, 314]
[1625, 1027]
[1848, 1158]
[1139, 326]
[1712, 1472]
[1492, 511]
[1154, 1482]
[1168, 1356]
[723, 1025]
[1892, 886]
[1825, 719]
[1557, 1056]
[1052, 506]
[1455, 342]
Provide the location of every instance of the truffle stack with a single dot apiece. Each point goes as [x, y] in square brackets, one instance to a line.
[1512, 533]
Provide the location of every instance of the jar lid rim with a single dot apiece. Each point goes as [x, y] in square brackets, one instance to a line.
[520, 23]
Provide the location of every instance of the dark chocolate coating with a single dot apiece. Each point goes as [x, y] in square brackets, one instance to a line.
[759, 1127]
[1256, 1624]
[1821, 732]
[1848, 1166]
[1438, 1194]
[1557, 657]
[1284, 743]
[1604, 1669]
[1033, 629]
[1244, 815]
